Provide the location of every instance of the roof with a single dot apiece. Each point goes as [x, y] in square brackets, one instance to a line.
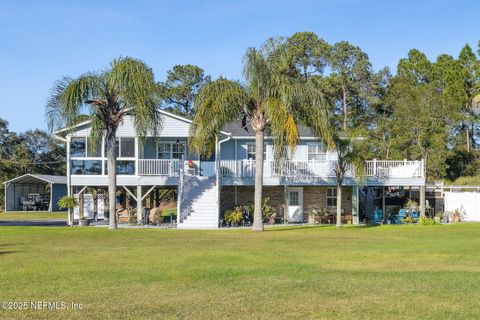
[165, 113]
[236, 130]
[36, 178]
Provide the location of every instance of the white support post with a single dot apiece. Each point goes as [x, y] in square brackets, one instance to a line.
[383, 206]
[69, 182]
[139, 205]
[422, 201]
[50, 208]
[355, 205]
[374, 167]
[136, 155]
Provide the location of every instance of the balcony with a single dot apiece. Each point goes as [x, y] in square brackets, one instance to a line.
[171, 167]
[321, 169]
[385, 169]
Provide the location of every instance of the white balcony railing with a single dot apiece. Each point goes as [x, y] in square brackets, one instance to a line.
[310, 168]
[171, 167]
[324, 169]
[158, 167]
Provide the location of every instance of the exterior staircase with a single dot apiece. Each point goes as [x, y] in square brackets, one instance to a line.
[198, 203]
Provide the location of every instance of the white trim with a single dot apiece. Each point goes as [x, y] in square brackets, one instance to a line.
[171, 142]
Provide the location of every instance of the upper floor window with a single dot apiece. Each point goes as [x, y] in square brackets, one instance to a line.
[78, 147]
[171, 150]
[251, 151]
[316, 151]
[124, 147]
[81, 147]
[127, 147]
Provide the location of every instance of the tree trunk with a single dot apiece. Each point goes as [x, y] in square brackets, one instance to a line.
[467, 131]
[339, 202]
[257, 213]
[345, 108]
[112, 178]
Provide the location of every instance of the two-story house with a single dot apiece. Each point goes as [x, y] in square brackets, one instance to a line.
[208, 187]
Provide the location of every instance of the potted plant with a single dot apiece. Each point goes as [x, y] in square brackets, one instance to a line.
[83, 222]
[233, 217]
[69, 203]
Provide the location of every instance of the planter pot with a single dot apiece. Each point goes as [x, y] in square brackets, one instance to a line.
[83, 223]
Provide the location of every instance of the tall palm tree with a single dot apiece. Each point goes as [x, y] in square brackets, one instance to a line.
[274, 98]
[349, 158]
[127, 88]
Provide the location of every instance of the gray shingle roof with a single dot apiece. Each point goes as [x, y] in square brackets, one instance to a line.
[236, 130]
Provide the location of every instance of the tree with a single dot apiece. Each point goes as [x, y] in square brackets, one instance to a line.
[420, 125]
[127, 88]
[349, 158]
[271, 99]
[181, 87]
[351, 79]
[309, 53]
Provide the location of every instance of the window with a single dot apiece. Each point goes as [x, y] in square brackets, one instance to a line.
[171, 150]
[124, 167]
[88, 167]
[127, 147]
[331, 197]
[78, 147]
[316, 151]
[293, 198]
[94, 150]
[251, 151]
[178, 150]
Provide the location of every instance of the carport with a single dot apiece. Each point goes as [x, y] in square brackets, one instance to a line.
[50, 187]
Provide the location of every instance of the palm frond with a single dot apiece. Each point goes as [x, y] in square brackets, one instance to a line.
[218, 102]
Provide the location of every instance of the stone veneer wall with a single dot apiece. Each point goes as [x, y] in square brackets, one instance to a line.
[313, 198]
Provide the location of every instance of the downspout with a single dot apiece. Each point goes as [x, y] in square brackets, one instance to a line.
[217, 170]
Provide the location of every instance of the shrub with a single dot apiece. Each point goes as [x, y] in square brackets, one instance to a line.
[425, 221]
[234, 216]
[67, 202]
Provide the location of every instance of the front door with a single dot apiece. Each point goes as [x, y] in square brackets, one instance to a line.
[295, 205]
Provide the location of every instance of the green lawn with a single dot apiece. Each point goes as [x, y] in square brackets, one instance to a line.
[31, 215]
[389, 272]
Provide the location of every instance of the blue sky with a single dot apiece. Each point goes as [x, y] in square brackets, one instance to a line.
[41, 41]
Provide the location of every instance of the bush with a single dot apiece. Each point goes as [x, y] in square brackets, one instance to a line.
[67, 202]
[234, 216]
[425, 221]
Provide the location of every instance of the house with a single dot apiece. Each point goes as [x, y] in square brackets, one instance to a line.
[208, 187]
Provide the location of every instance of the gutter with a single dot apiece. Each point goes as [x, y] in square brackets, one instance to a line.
[217, 169]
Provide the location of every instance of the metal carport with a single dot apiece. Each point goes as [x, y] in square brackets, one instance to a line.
[21, 186]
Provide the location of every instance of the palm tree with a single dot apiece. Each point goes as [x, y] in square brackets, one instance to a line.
[349, 158]
[127, 88]
[274, 98]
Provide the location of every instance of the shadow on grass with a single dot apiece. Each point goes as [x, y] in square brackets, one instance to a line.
[371, 225]
[7, 252]
[299, 227]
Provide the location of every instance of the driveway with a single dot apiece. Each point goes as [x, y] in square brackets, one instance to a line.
[33, 223]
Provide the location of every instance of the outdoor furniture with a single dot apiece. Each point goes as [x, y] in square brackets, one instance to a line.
[398, 218]
[377, 216]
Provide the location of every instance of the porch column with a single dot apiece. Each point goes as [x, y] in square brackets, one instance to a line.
[383, 205]
[285, 196]
[139, 205]
[355, 203]
[422, 201]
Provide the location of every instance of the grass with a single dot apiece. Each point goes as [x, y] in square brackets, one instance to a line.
[388, 272]
[32, 215]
